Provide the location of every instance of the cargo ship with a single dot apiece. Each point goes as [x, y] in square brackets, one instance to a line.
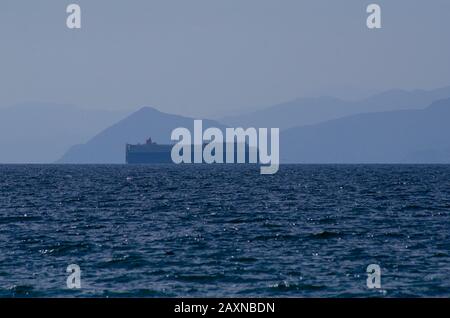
[152, 153]
[148, 153]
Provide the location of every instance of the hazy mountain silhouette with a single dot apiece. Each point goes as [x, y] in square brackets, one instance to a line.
[307, 111]
[406, 136]
[109, 145]
[42, 132]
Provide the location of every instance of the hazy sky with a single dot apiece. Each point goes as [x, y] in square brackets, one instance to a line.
[203, 57]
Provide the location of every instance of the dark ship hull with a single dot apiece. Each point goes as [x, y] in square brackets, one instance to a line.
[153, 153]
[148, 158]
[149, 153]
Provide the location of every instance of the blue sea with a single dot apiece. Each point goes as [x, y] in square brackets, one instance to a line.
[224, 230]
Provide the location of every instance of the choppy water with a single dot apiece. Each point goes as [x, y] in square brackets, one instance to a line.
[224, 230]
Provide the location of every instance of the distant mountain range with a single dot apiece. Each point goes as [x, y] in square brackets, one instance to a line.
[392, 127]
[109, 145]
[43, 132]
[308, 111]
[406, 136]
